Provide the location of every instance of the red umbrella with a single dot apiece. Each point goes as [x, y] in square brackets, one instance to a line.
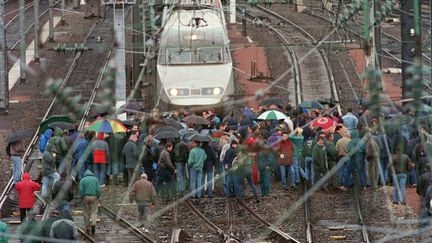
[323, 122]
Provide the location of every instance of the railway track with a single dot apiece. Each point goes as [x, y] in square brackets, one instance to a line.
[82, 76]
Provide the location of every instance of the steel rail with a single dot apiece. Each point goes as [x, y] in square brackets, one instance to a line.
[27, 6]
[35, 137]
[225, 236]
[330, 75]
[144, 237]
[266, 223]
[293, 56]
[308, 223]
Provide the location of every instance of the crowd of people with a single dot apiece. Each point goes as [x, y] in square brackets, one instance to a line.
[170, 155]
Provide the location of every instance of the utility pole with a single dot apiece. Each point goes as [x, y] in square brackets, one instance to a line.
[370, 40]
[120, 58]
[4, 82]
[137, 42]
[409, 49]
[22, 41]
[232, 11]
[62, 21]
[51, 21]
[36, 31]
[377, 35]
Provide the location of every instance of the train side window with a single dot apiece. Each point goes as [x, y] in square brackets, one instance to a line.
[209, 55]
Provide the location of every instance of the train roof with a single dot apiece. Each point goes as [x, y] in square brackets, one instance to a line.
[201, 27]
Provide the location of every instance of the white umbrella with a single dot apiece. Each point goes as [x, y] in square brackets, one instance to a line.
[272, 115]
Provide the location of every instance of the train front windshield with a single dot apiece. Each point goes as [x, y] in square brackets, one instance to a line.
[200, 55]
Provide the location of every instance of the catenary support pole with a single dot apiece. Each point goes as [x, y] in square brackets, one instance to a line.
[232, 4]
[51, 21]
[120, 59]
[4, 84]
[22, 41]
[36, 31]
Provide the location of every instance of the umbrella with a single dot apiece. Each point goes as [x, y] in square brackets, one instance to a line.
[132, 107]
[197, 120]
[311, 105]
[172, 123]
[272, 101]
[166, 134]
[323, 122]
[201, 138]
[17, 136]
[164, 128]
[272, 115]
[54, 118]
[129, 123]
[62, 125]
[107, 126]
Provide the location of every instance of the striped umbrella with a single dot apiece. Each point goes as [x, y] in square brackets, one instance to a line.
[107, 126]
[272, 115]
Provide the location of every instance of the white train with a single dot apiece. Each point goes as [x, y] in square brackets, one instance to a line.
[194, 63]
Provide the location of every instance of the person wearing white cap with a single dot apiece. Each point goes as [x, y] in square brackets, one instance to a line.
[144, 193]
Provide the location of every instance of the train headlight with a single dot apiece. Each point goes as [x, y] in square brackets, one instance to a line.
[217, 91]
[173, 92]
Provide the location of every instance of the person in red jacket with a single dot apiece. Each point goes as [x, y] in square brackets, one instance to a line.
[26, 197]
[100, 152]
[285, 160]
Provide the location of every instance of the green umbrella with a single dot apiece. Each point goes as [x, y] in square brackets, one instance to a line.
[272, 115]
[54, 118]
[312, 105]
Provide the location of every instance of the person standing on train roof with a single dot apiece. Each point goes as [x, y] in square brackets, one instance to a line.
[26, 196]
[90, 193]
[100, 151]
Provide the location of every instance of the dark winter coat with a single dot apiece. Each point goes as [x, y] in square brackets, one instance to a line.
[26, 189]
[89, 185]
[165, 161]
[58, 143]
[319, 156]
[46, 225]
[230, 155]
[64, 229]
[131, 153]
[181, 152]
[143, 191]
[423, 182]
[286, 148]
[48, 164]
[211, 160]
[68, 194]
[266, 160]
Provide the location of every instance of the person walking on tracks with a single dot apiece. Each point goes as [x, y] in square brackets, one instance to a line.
[100, 151]
[165, 173]
[400, 167]
[144, 193]
[15, 151]
[60, 148]
[26, 189]
[90, 193]
[130, 152]
[64, 228]
[49, 173]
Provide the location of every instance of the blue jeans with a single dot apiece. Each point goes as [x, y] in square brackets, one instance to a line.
[181, 176]
[232, 178]
[195, 181]
[340, 173]
[283, 171]
[309, 168]
[209, 176]
[401, 179]
[353, 164]
[48, 183]
[298, 171]
[113, 169]
[412, 177]
[384, 170]
[16, 168]
[99, 171]
[251, 183]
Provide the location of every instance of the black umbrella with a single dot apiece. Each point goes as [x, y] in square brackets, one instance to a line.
[132, 107]
[164, 129]
[17, 136]
[197, 120]
[273, 101]
[129, 123]
[172, 123]
[166, 135]
[62, 125]
[201, 138]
